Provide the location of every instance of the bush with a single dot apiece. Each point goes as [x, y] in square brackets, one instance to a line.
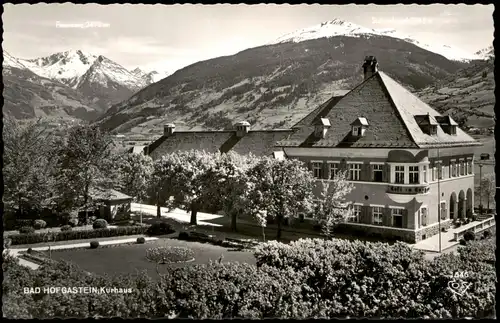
[462, 242]
[94, 244]
[76, 235]
[27, 230]
[469, 236]
[39, 224]
[486, 234]
[100, 224]
[29, 250]
[141, 240]
[160, 229]
[73, 222]
[183, 235]
[169, 254]
[66, 227]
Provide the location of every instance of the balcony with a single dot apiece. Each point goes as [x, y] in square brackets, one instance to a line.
[404, 193]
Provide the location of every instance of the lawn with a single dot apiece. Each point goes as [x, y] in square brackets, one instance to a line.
[129, 259]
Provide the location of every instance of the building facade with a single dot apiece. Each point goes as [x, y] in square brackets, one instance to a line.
[409, 165]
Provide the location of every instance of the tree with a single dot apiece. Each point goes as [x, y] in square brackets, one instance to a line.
[228, 178]
[185, 176]
[331, 208]
[135, 171]
[487, 189]
[282, 188]
[28, 165]
[87, 163]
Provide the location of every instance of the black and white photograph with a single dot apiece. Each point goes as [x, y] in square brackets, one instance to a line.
[236, 161]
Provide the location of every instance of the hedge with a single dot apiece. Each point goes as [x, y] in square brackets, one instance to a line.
[76, 235]
[307, 279]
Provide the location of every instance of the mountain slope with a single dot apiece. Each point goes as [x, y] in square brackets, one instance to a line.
[337, 27]
[274, 85]
[468, 95]
[27, 95]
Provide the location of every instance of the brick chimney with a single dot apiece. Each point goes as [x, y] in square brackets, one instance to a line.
[168, 129]
[370, 66]
[242, 128]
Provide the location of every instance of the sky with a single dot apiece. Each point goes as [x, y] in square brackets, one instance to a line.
[169, 37]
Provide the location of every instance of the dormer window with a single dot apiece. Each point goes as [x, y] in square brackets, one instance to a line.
[427, 124]
[321, 128]
[448, 125]
[355, 130]
[359, 126]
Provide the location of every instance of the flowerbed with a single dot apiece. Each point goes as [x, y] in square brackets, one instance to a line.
[76, 235]
[169, 254]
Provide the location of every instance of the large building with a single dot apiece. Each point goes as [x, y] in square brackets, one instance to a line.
[408, 162]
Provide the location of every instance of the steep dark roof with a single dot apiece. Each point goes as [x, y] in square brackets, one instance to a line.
[258, 142]
[390, 110]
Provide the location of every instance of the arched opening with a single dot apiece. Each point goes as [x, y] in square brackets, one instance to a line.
[470, 203]
[453, 206]
[461, 204]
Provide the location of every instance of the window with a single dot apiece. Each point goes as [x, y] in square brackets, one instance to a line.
[377, 215]
[400, 175]
[414, 175]
[440, 170]
[462, 168]
[317, 168]
[355, 214]
[434, 173]
[443, 211]
[423, 216]
[333, 169]
[425, 174]
[469, 167]
[355, 131]
[453, 130]
[453, 169]
[378, 172]
[397, 218]
[354, 172]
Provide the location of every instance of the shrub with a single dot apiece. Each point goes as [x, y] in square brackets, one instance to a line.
[7, 242]
[486, 234]
[183, 235]
[66, 227]
[160, 229]
[141, 240]
[469, 236]
[29, 250]
[100, 224]
[39, 224]
[462, 242]
[76, 235]
[73, 222]
[94, 244]
[27, 230]
[169, 254]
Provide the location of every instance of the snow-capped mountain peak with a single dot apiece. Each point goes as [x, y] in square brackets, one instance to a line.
[486, 53]
[104, 69]
[66, 67]
[11, 61]
[338, 27]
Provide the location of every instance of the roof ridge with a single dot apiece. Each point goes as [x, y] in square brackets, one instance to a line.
[380, 75]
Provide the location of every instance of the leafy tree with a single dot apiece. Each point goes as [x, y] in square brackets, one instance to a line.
[282, 188]
[331, 208]
[28, 165]
[228, 178]
[487, 189]
[135, 171]
[185, 176]
[87, 163]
